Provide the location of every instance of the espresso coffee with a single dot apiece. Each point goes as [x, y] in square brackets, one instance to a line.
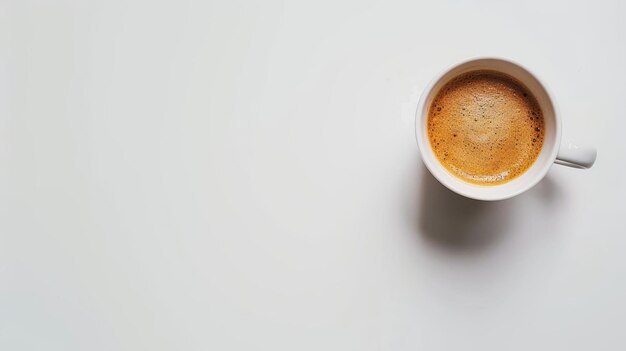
[485, 127]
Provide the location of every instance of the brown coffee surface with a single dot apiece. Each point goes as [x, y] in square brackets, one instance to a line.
[485, 127]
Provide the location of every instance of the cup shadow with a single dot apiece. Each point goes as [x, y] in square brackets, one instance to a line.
[457, 224]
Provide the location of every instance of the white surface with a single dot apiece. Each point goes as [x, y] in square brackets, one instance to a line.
[244, 175]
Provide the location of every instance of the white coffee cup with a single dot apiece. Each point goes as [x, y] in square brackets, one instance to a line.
[554, 151]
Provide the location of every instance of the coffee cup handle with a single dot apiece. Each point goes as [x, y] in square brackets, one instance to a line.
[576, 156]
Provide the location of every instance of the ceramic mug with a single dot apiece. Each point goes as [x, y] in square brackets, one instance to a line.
[553, 151]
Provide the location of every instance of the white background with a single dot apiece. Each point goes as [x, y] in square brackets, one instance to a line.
[243, 175]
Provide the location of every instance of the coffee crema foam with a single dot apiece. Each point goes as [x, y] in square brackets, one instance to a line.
[485, 127]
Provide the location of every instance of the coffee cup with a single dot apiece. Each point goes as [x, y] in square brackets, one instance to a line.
[554, 149]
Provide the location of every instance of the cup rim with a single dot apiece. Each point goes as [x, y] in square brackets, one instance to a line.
[436, 169]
